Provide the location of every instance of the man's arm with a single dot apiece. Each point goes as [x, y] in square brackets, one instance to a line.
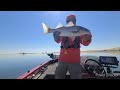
[56, 36]
[86, 39]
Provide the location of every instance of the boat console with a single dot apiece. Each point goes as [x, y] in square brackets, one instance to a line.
[101, 68]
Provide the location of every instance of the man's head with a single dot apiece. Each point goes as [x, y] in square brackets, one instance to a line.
[71, 19]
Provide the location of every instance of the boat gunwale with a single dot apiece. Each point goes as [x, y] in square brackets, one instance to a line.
[26, 74]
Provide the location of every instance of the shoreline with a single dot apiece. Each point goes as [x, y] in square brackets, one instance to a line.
[102, 51]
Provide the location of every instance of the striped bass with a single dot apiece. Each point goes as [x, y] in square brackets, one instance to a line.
[67, 31]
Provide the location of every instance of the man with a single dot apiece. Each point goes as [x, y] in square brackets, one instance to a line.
[69, 58]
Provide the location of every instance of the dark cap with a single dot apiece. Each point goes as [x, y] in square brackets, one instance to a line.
[71, 18]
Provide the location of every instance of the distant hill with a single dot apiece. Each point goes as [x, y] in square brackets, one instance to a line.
[114, 49]
[110, 49]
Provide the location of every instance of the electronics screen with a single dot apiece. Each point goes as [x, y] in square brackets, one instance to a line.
[108, 60]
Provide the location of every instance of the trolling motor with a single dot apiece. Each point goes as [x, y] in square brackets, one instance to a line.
[50, 55]
[53, 56]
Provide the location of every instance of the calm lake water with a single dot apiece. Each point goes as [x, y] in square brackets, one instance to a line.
[14, 65]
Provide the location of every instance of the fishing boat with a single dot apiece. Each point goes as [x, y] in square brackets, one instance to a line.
[92, 68]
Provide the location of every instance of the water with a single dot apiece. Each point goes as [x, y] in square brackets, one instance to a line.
[14, 65]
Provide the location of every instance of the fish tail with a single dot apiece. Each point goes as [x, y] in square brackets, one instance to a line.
[45, 28]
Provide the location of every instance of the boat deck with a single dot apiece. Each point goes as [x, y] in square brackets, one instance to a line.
[50, 70]
[49, 73]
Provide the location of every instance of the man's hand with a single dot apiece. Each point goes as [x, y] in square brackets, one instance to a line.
[87, 38]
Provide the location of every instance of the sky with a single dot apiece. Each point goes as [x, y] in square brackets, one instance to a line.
[21, 31]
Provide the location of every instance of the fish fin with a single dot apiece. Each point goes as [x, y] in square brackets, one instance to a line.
[70, 24]
[45, 28]
[59, 25]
